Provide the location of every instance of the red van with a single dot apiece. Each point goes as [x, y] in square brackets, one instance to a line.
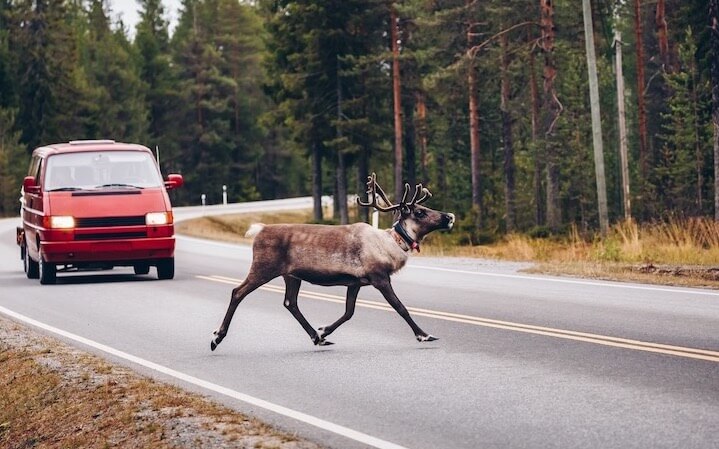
[96, 204]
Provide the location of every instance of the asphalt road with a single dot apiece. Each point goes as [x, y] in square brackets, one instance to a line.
[522, 360]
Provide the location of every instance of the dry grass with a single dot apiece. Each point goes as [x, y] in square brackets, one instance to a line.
[54, 396]
[232, 228]
[676, 252]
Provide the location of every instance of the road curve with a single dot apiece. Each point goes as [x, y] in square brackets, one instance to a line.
[522, 361]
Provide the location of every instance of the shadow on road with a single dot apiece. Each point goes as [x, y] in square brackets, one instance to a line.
[101, 278]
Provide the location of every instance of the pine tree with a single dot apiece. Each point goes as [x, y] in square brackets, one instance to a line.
[52, 89]
[13, 162]
[218, 51]
[152, 49]
[116, 108]
[714, 83]
[680, 170]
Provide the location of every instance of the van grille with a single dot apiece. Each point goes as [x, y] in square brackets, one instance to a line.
[111, 236]
[106, 222]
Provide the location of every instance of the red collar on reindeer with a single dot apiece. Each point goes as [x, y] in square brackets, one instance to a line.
[402, 237]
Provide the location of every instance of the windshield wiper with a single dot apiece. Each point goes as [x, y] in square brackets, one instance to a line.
[65, 189]
[121, 185]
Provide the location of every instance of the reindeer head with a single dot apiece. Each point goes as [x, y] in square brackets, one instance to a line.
[414, 221]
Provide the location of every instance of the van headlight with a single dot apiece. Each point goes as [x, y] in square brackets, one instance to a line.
[62, 222]
[158, 218]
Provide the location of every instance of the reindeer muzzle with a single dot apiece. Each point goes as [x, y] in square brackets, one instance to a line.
[447, 221]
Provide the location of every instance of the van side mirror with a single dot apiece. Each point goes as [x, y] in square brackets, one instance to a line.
[29, 185]
[174, 181]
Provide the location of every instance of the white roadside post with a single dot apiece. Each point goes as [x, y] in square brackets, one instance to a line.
[224, 195]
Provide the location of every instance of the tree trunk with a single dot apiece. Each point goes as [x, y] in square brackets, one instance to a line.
[552, 108]
[341, 173]
[422, 136]
[663, 35]
[698, 150]
[410, 143]
[316, 183]
[641, 107]
[474, 148]
[714, 37]
[362, 173]
[394, 35]
[538, 159]
[341, 169]
[507, 142]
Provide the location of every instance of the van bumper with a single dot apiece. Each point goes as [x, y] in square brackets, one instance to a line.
[69, 252]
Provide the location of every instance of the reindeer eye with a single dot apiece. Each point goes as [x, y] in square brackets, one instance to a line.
[419, 213]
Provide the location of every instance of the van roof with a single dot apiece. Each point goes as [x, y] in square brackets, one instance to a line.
[75, 146]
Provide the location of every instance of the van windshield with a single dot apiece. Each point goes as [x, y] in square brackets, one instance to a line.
[101, 169]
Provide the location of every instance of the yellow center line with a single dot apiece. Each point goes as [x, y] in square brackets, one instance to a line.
[680, 351]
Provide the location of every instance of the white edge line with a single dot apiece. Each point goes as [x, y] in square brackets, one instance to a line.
[284, 411]
[569, 281]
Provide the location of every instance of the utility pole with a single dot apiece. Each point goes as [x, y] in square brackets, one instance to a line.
[596, 119]
[623, 158]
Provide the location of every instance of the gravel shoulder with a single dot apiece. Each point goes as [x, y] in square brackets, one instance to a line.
[53, 395]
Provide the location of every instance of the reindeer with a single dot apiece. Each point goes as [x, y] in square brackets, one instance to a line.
[352, 255]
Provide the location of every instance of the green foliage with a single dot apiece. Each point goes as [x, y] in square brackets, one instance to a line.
[680, 170]
[243, 94]
[12, 164]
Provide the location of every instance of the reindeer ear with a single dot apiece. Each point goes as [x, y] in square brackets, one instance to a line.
[405, 210]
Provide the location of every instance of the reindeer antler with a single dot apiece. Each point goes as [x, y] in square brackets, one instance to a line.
[374, 189]
[421, 194]
[419, 190]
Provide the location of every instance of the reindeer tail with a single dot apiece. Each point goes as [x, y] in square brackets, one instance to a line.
[255, 229]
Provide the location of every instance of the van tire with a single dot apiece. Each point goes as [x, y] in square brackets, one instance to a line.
[32, 268]
[166, 268]
[47, 272]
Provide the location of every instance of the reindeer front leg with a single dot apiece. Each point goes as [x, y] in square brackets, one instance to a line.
[238, 294]
[292, 288]
[352, 292]
[385, 287]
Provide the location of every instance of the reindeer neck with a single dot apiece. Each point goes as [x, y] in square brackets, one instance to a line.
[404, 240]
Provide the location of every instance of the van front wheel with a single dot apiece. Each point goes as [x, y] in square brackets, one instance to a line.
[48, 272]
[166, 268]
[31, 267]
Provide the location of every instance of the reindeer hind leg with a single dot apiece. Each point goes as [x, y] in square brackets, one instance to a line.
[351, 300]
[292, 289]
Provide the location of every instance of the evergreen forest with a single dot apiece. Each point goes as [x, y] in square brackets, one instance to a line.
[486, 102]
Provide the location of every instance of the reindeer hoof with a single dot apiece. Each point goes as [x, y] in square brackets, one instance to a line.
[319, 341]
[423, 338]
[215, 341]
[321, 333]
